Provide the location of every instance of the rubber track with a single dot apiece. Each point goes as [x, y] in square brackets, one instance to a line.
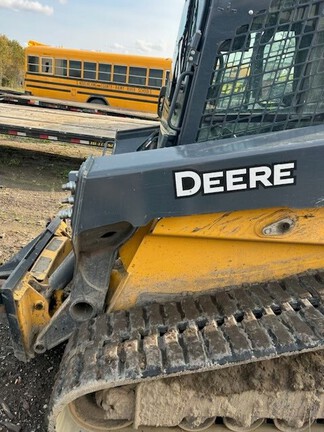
[197, 333]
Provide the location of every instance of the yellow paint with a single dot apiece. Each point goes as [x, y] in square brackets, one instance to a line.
[203, 252]
[54, 253]
[53, 80]
[32, 307]
[32, 312]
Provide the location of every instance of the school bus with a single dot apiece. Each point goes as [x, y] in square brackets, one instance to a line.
[125, 81]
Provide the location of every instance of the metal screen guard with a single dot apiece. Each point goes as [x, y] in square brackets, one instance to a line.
[270, 76]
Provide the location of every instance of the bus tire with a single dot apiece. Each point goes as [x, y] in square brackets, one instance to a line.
[98, 101]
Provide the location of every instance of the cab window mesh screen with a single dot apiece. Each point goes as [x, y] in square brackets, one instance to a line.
[270, 76]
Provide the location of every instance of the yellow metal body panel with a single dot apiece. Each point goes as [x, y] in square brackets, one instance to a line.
[52, 256]
[204, 252]
[32, 306]
[32, 312]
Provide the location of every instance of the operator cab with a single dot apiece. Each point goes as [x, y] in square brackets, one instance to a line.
[245, 68]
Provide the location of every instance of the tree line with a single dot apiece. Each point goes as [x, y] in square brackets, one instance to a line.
[11, 63]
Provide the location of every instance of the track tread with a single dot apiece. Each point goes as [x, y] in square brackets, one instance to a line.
[259, 337]
[218, 348]
[253, 322]
[172, 316]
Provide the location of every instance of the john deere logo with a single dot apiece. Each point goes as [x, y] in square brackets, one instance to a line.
[189, 183]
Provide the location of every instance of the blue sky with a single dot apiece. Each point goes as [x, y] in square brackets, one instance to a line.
[146, 27]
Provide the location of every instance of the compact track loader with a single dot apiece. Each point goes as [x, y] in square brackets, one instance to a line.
[191, 288]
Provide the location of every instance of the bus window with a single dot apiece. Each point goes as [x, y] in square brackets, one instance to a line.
[61, 67]
[167, 76]
[137, 75]
[47, 65]
[120, 74]
[75, 69]
[155, 77]
[104, 72]
[33, 64]
[89, 70]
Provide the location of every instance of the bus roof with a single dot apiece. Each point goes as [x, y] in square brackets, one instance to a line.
[40, 49]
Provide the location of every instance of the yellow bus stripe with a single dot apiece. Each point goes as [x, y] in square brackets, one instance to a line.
[28, 78]
[102, 94]
[60, 87]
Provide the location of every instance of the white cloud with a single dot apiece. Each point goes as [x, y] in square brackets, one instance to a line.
[147, 47]
[62, 1]
[117, 47]
[26, 5]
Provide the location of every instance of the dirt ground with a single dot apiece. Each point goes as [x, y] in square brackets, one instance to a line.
[31, 176]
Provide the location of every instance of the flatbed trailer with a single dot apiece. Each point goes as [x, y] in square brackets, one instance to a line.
[19, 98]
[65, 126]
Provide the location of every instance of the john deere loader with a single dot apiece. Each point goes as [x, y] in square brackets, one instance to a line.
[190, 289]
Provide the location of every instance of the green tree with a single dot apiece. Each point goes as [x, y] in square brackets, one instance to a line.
[11, 62]
[4, 56]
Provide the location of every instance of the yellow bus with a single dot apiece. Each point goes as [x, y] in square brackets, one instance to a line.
[119, 80]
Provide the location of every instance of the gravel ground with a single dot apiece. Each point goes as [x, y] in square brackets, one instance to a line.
[31, 175]
[25, 387]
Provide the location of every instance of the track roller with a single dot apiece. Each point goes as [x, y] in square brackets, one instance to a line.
[284, 426]
[104, 410]
[196, 423]
[235, 426]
